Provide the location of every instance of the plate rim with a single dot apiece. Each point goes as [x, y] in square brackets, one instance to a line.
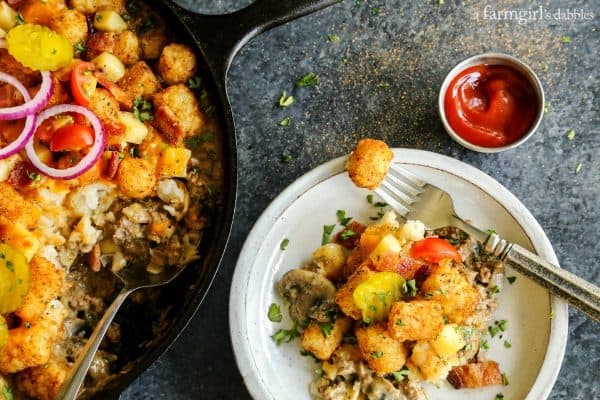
[558, 335]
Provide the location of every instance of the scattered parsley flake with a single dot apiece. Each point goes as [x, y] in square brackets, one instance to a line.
[507, 344]
[7, 393]
[504, 379]
[545, 67]
[327, 230]
[485, 345]
[383, 85]
[310, 79]
[285, 100]
[319, 371]
[274, 313]
[333, 38]
[490, 231]
[571, 134]
[9, 266]
[286, 158]
[441, 2]
[34, 176]
[400, 323]
[142, 109]
[284, 244]
[285, 335]
[493, 330]
[501, 324]
[445, 318]
[499, 396]
[380, 204]
[285, 122]
[195, 83]
[342, 219]
[20, 20]
[370, 198]
[326, 328]
[79, 48]
[552, 314]
[350, 339]
[400, 375]
[197, 140]
[511, 279]
[495, 289]
[410, 288]
[27, 325]
[565, 39]
[578, 168]
[377, 354]
[347, 234]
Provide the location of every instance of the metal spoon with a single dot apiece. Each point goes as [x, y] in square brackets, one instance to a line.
[134, 278]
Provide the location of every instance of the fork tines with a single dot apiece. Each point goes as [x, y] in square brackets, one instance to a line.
[400, 189]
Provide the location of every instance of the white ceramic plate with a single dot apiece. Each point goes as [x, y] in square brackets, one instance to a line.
[279, 372]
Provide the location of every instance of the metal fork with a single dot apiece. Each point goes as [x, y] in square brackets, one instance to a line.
[416, 199]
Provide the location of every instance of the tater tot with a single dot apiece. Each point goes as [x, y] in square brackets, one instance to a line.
[72, 24]
[177, 64]
[136, 178]
[369, 162]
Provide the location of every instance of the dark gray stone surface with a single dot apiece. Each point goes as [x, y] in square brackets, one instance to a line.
[408, 46]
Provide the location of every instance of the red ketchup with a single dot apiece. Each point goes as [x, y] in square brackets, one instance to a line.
[491, 105]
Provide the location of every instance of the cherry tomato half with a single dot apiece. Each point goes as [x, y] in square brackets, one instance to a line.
[72, 137]
[83, 83]
[433, 250]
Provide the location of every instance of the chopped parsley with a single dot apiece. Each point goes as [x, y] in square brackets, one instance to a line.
[370, 198]
[285, 335]
[507, 344]
[285, 100]
[552, 314]
[400, 323]
[333, 38]
[27, 325]
[501, 324]
[341, 216]
[146, 26]
[326, 328]
[504, 379]
[445, 319]
[274, 313]
[565, 39]
[383, 85]
[327, 230]
[485, 345]
[286, 158]
[495, 289]
[578, 168]
[571, 134]
[9, 266]
[490, 231]
[347, 234]
[34, 176]
[493, 330]
[195, 83]
[79, 48]
[20, 20]
[98, 17]
[377, 354]
[285, 122]
[284, 244]
[410, 288]
[511, 279]
[197, 140]
[400, 375]
[142, 109]
[7, 393]
[310, 79]
[499, 396]
[380, 204]
[2, 256]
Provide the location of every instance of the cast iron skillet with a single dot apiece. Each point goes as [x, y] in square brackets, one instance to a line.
[217, 39]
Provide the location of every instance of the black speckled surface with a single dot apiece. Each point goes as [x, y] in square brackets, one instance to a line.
[408, 46]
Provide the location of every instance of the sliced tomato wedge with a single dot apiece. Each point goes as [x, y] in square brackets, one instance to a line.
[45, 131]
[72, 137]
[83, 83]
[433, 250]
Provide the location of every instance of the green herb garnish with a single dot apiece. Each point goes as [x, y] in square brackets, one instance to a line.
[326, 328]
[79, 48]
[565, 39]
[578, 168]
[20, 20]
[499, 396]
[285, 100]
[310, 79]
[377, 354]
[504, 379]
[410, 288]
[400, 375]
[274, 313]
[285, 122]
[341, 216]
[196, 140]
[511, 279]
[195, 83]
[333, 38]
[347, 234]
[370, 198]
[571, 134]
[284, 244]
[485, 345]
[327, 230]
[142, 109]
[286, 158]
[507, 344]
[380, 204]
[285, 335]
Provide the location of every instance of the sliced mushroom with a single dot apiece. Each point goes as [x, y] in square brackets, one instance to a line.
[310, 294]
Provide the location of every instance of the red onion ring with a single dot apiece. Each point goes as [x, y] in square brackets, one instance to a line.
[28, 129]
[86, 162]
[31, 106]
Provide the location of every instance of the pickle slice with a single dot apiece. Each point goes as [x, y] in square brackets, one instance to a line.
[15, 278]
[375, 295]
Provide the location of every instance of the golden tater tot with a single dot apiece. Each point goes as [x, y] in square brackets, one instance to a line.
[369, 162]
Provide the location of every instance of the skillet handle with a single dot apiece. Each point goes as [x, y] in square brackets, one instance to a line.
[220, 37]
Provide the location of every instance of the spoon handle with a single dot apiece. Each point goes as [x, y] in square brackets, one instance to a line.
[73, 381]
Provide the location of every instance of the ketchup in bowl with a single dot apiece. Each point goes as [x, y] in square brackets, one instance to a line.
[491, 105]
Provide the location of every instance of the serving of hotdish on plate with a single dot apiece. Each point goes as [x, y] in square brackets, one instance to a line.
[533, 325]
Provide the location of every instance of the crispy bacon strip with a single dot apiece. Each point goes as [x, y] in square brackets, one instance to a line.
[475, 375]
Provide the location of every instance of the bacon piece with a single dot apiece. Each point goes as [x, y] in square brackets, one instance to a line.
[23, 175]
[405, 266]
[351, 241]
[475, 375]
[113, 165]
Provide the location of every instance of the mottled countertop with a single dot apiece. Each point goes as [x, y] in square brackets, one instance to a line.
[380, 79]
